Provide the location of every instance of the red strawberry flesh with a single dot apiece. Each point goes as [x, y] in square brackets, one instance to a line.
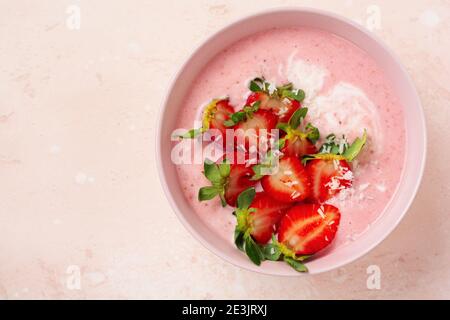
[328, 178]
[298, 146]
[290, 183]
[247, 132]
[264, 220]
[222, 112]
[308, 228]
[238, 181]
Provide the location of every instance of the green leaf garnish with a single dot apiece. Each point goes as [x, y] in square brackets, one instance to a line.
[332, 146]
[272, 252]
[245, 198]
[285, 87]
[283, 126]
[212, 171]
[224, 169]
[207, 193]
[218, 175]
[253, 251]
[239, 239]
[356, 147]
[190, 134]
[299, 95]
[242, 115]
[297, 117]
[257, 85]
[228, 123]
[267, 165]
[297, 265]
[333, 150]
[242, 232]
[312, 133]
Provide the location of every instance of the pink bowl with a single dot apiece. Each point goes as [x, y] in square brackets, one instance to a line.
[403, 86]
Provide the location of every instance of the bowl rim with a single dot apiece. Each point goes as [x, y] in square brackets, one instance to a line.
[182, 67]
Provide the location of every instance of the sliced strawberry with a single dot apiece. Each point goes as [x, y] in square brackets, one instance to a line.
[328, 178]
[247, 132]
[238, 180]
[290, 183]
[308, 228]
[226, 180]
[240, 157]
[283, 108]
[288, 107]
[218, 114]
[266, 216]
[214, 116]
[298, 146]
[261, 96]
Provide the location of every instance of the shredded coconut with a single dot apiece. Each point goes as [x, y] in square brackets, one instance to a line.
[320, 212]
[381, 187]
[364, 186]
[295, 194]
[282, 111]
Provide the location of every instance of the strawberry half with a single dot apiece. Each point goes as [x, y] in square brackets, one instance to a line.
[298, 146]
[238, 180]
[227, 180]
[215, 114]
[328, 178]
[281, 107]
[218, 114]
[299, 139]
[308, 228]
[265, 216]
[261, 96]
[290, 183]
[247, 132]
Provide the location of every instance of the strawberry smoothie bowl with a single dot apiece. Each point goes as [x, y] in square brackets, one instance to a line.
[291, 141]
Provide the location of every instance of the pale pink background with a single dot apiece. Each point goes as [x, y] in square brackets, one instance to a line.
[79, 185]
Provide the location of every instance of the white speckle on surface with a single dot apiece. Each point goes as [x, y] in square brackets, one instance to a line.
[429, 18]
[132, 127]
[134, 48]
[56, 221]
[95, 278]
[55, 149]
[81, 178]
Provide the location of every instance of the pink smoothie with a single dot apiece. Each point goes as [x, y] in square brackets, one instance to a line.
[346, 91]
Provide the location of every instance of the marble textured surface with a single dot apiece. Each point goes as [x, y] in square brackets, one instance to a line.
[82, 213]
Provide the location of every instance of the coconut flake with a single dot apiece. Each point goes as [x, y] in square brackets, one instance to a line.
[364, 186]
[381, 187]
[320, 212]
